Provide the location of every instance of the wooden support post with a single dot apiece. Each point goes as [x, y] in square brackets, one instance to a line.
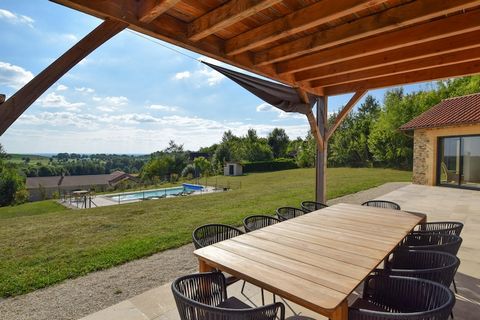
[2, 98]
[321, 161]
[23, 98]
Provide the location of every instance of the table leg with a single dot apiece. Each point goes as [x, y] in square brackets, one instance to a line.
[203, 266]
[341, 313]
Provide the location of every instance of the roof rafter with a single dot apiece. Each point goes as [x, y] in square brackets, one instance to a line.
[408, 53]
[436, 73]
[407, 14]
[149, 10]
[402, 67]
[174, 31]
[226, 15]
[450, 26]
[303, 19]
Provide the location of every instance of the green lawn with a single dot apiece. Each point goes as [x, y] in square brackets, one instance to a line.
[42, 244]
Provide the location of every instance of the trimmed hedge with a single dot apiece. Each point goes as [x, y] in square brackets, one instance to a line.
[272, 165]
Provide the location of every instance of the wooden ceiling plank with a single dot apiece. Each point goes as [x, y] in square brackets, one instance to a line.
[149, 10]
[436, 73]
[391, 19]
[408, 53]
[449, 26]
[298, 21]
[402, 67]
[226, 15]
[344, 112]
[13, 108]
[172, 30]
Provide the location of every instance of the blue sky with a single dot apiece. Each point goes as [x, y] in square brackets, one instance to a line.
[132, 95]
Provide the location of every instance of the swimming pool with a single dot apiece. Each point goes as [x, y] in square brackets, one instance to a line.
[186, 188]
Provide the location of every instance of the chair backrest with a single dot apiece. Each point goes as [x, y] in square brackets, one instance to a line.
[197, 296]
[432, 265]
[382, 204]
[442, 227]
[405, 298]
[432, 241]
[310, 206]
[255, 222]
[285, 213]
[212, 233]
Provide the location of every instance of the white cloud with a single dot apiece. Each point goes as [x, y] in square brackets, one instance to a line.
[265, 107]
[14, 76]
[163, 108]
[133, 132]
[182, 75]
[202, 75]
[85, 90]
[15, 18]
[61, 87]
[53, 100]
[107, 104]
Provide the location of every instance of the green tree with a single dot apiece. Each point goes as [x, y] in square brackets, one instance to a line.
[203, 166]
[278, 141]
[307, 151]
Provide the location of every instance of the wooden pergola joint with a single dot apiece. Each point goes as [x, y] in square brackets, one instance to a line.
[344, 112]
[149, 10]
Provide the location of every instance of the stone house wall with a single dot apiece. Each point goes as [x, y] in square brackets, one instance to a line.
[425, 150]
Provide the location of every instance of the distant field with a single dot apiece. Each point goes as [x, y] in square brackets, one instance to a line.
[42, 243]
[17, 158]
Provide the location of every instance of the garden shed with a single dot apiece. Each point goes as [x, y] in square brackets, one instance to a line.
[447, 143]
[232, 169]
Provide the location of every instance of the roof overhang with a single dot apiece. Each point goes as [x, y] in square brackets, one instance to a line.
[323, 47]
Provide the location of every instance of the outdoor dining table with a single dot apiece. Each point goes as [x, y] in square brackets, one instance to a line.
[315, 260]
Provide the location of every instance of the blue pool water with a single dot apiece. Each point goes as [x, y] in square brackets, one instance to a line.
[158, 193]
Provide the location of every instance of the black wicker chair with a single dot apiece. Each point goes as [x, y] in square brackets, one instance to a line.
[449, 243]
[382, 204]
[431, 241]
[392, 297]
[285, 213]
[441, 227]
[203, 296]
[431, 265]
[255, 222]
[310, 206]
[212, 233]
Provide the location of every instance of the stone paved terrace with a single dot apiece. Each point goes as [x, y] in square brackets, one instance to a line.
[439, 203]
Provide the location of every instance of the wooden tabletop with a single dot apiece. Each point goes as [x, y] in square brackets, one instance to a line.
[315, 260]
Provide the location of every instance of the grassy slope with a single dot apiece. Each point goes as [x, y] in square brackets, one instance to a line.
[42, 249]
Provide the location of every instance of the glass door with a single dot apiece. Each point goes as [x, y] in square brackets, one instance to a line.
[470, 162]
[459, 159]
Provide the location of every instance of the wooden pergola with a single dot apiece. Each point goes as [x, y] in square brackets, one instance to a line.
[325, 47]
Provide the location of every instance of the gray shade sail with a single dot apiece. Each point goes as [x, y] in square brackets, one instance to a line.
[278, 95]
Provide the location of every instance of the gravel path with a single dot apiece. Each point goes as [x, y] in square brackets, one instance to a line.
[75, 298]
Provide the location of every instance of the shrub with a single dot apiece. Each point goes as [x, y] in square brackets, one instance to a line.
[265, 166]
[21, 196]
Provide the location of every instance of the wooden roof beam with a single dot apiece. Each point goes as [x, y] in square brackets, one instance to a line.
[23, 98]
[437, 73]
[408, 53]
[298, 21]
[402, 67]
[172, 30]
[443, 28]
[344, 112]
[317, 135]
[391, 19]
[226, 15]
[149, 10]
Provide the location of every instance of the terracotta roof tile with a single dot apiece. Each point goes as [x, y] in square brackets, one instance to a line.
[449, 112]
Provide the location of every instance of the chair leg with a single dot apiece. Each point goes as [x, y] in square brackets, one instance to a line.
[263, 297]
[243, 286]
[455, 286]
